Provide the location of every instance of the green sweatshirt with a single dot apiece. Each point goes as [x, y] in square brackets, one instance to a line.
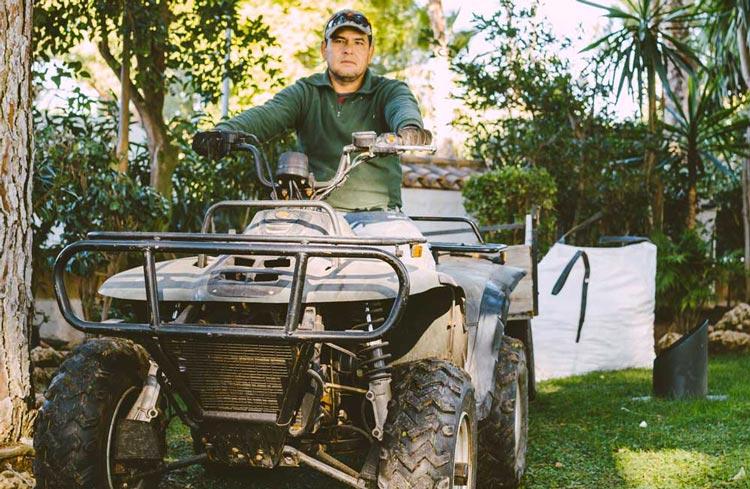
[324, 122]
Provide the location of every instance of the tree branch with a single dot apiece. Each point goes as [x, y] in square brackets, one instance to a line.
[19, 450]
[115, 66]
[742, 47]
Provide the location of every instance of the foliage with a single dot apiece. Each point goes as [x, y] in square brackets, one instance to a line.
[76, 186]
[723, 21]
[705, 133]
[685, 277]
[168, 39]
[505, 195]
[706, 129]
[643, 44]
[533, 114]
[729, 234]
[166, 45]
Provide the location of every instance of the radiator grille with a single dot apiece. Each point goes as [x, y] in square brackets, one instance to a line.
[234, 377]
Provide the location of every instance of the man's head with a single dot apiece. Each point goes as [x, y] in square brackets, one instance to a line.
[347, 46]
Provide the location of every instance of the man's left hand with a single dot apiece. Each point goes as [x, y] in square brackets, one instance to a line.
[415, 136]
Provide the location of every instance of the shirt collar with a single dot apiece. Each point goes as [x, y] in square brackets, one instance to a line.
[322, 80]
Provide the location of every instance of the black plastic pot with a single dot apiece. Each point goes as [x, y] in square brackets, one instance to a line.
[681, 371]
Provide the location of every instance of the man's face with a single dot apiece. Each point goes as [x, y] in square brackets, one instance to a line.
[348, 54]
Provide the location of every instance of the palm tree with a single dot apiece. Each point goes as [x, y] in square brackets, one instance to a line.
[726, 27]
[644, 46]
[704, 131]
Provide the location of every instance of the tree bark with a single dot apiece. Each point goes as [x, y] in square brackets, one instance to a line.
[744, 50]
[16, 152]
[693, 163]
[123, 133]
[677, 84]
[654, 186]
[676, 77]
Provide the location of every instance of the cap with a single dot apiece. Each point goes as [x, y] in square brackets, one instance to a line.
[348, 18]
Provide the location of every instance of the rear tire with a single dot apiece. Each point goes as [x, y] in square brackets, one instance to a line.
[96, 385]
[503, 435]
[431, 432]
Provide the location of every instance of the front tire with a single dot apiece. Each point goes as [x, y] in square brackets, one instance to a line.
[430, 438]
[503, 435]
[95, 386]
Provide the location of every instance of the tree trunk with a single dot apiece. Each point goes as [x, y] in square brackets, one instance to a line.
[16, 413]
[746, 219]
[676, 77]
[123, 134]
[226, 84]
[653, 184]
[692, 195]
[677, 85]
[744, 50]
[162, 152]
[149, 101]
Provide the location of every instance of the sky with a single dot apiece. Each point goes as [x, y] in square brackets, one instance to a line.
[567, 17]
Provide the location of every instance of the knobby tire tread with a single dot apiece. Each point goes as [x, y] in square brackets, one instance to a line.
[75, 416]
[418, 444]
[499, 465]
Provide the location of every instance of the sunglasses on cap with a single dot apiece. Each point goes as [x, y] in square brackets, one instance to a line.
[348, 18]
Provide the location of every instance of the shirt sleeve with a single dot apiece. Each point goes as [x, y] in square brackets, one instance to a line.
[276, 116]
[401, 108]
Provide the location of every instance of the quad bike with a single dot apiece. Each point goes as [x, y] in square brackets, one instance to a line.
[294, 341]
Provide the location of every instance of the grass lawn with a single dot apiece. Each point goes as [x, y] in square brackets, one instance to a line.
[585, 432]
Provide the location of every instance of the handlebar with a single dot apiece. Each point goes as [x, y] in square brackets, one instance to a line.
[365, 146]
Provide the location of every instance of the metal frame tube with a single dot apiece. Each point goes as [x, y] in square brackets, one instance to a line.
[270, 204]
[466, 220]
[249, 238]
[288, 333]
[323, 467]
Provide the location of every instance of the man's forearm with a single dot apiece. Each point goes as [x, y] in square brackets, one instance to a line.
[270, 119]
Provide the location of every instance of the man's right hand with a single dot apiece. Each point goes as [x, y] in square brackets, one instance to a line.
[215, 144]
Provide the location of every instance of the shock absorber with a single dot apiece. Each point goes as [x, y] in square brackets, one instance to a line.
[374, 363]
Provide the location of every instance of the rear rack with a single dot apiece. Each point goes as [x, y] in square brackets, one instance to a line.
[299, 248]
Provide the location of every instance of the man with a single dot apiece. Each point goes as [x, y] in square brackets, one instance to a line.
[326, 108]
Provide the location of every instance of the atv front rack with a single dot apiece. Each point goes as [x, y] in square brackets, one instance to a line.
[301, 248]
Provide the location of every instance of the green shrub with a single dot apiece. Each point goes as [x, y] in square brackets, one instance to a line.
[77, 188]
[685, 278]
[505, 195]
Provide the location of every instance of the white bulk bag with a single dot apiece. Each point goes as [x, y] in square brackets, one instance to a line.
[618, 330]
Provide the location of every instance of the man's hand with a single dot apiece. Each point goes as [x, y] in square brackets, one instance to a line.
[415, 136]
[215, 144]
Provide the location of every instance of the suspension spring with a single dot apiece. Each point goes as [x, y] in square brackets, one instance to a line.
[373, 359]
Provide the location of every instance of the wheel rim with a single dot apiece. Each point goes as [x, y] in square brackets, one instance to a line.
[518, 417]
[111, 435]
[462, 456]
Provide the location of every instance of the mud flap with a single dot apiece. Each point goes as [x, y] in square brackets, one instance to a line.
[484, 344]
[521, 330]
